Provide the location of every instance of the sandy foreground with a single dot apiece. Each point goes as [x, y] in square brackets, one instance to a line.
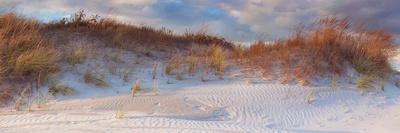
[224, 106]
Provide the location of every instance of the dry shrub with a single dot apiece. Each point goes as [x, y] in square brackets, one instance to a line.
[327, 47]
[55, 89]
[5, 95]
[365, 82]
[95, 78]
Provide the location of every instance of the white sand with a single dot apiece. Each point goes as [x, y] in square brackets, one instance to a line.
[220, 107]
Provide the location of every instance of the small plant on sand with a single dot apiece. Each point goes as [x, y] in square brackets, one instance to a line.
[156, 88]
[154, 72]
[95, 78]
[397, 84]
[334, 81]
[20, 100]
[55, 89]
[41, 101]
[203, 73]
[310, 97]
[135, 88]
[119, 113]
[126, 73]
[365, 82]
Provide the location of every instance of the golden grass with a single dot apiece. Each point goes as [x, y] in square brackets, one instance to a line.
[135, 88]
[217, 59]
[327, 47]
[36, 60]
[119, 113]
[24, 52]
[365, 82]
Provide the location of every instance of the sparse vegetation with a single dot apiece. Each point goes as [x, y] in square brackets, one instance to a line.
[77, 55]
[119, 113]
[334, 81]
[95, 78]
[135, 88]
[310, 97]
[154, 72]
[56, 89]
[41, 101]
[155, 87]
[365, 82]
[20, 100]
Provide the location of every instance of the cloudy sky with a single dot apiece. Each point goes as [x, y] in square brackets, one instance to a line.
[238, 20]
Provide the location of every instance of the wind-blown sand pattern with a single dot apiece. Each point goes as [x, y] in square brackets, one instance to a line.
[225, 107]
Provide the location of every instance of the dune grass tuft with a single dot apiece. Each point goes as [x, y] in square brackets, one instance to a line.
[77, 55]
[95, 78]
[217, 59]
[135, 88]
[56, 89]
[365, 82]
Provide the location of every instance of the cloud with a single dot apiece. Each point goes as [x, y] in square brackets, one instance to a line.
[277, 17]
[240, 20]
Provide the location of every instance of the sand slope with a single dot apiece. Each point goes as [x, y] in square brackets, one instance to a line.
[229, 106]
